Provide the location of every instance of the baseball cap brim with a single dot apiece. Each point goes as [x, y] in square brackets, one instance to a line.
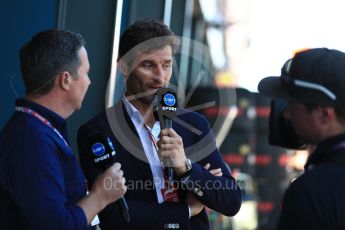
[272, 87]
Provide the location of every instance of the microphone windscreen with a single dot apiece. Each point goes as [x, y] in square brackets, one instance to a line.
[165, 106]
[101, 150]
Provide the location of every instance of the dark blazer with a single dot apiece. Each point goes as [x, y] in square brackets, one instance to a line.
[218, 193]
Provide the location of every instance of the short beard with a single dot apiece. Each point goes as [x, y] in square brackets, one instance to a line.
[145, 98]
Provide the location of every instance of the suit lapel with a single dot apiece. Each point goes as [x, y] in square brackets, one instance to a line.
[127, 136]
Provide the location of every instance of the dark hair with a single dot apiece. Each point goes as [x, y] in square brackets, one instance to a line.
[47, 54]
[144, 30]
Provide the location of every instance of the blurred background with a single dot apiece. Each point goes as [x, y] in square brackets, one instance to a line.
[228, 46]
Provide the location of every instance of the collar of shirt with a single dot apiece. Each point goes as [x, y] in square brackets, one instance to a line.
[134, 114]
[132, 111]
[56, 120]
[323, 150]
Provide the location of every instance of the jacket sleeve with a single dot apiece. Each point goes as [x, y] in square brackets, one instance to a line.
[37, 185]
[221, 194]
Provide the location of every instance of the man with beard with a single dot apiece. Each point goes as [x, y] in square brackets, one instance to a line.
[145, 60]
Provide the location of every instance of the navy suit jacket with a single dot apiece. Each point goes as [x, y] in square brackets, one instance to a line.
[218, 193]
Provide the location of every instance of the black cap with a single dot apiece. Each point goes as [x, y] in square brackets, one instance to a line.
[314, 76]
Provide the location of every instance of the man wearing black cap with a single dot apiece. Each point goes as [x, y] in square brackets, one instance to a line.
[313, 83]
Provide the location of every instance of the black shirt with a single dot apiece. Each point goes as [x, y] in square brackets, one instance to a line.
[316, 199]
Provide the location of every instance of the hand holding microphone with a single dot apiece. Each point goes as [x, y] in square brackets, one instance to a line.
[170, 147]
[170, 144]
[110, 185]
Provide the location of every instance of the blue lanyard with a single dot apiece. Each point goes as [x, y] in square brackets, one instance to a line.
[42, 119]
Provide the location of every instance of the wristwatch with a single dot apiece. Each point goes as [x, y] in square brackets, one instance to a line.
[188, 164]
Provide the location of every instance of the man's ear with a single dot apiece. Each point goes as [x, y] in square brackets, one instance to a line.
[123, 68]
[327, 113]
[64, 80]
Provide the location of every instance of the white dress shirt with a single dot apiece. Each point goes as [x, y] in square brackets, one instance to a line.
[149, 146]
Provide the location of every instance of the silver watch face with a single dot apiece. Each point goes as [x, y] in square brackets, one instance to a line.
[188, 164]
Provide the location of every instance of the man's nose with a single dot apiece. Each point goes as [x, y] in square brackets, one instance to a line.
[159, 73]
